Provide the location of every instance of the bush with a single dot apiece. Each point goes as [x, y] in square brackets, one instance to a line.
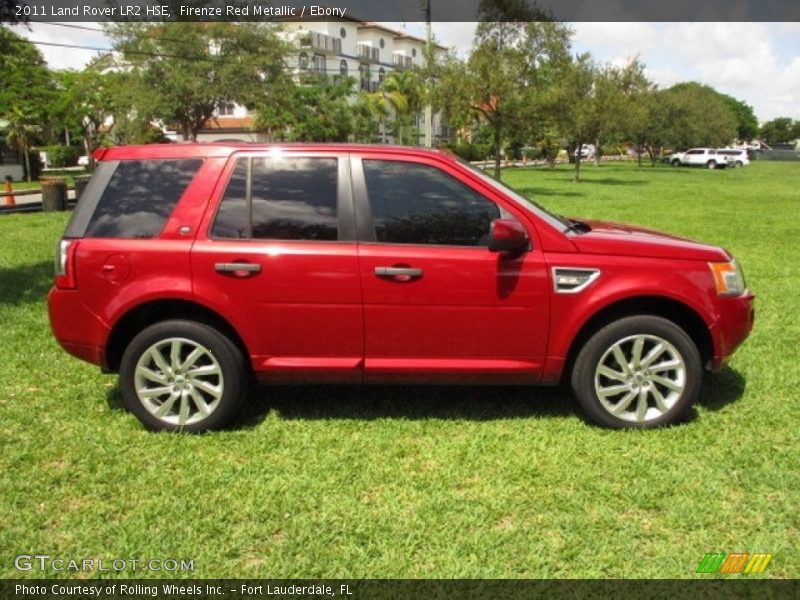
[61, 156]
[469, 151]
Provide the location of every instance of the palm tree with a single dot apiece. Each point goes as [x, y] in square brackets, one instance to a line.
[21, 133]
[404, 90]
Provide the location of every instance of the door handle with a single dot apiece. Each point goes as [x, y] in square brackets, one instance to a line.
[240, 269]
[398, 273]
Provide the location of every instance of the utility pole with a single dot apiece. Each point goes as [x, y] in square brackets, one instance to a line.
[429, 67]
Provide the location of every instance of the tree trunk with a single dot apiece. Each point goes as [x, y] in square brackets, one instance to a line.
[497, 153]
[597, 151]
[576, 175]
[27, 163]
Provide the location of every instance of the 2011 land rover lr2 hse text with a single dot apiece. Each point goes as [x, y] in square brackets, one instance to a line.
[192, 268]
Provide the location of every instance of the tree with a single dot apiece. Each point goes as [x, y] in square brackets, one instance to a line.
[21, 133]
[573, 106]
[691, 114]
[86, 100]
[368, 112]
[8, 12]
[26, 81]
[746, 121]
[636, 92]
[780, 130]
[405, 91]
[179, 73]
[510, 66]
[321, 112]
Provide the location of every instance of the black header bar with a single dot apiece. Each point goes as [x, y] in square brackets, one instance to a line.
[397, 10]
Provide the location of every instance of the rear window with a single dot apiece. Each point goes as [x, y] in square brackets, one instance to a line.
[139, 198]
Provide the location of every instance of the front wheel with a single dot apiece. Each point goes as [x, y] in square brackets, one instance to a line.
[182, 376]
[676, 163]
[639, 372]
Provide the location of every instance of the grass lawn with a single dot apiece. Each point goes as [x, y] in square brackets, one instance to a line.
[424, 482]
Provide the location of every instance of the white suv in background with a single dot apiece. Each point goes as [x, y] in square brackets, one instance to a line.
[698, 157]
[734, 157]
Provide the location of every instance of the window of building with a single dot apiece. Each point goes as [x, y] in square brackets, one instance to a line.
[303, 61]
[343, 68]
[226, 109]
[418, 204]
[342, 33]
[382, 43]
[319, 63]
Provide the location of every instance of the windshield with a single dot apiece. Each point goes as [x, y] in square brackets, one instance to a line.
[556, 221]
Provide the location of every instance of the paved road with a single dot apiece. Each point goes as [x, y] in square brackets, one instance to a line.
[32, 198]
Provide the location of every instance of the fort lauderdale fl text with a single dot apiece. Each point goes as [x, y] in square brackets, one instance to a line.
[248, 9]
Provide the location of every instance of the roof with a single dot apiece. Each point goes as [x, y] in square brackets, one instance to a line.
[398, 35]
[225, 149]
[229, 123]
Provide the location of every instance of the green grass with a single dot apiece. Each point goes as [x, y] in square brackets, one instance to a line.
[423, 482]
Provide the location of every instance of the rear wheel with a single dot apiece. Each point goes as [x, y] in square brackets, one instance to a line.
[738, 164]
[182, 376]
[712, 164]
[639, 372]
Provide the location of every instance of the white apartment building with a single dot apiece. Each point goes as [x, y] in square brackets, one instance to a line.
[363, 50]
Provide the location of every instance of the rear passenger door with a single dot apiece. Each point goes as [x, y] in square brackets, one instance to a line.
[277, 256]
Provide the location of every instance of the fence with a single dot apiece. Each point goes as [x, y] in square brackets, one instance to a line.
[778, 155]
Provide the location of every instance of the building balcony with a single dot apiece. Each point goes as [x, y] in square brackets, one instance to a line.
[402, 61]
[320, 42]
[365, 51]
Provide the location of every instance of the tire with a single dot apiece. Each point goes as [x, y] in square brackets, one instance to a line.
[676, 163]
[712, 164]
[656, 383]
[738, 164]
[182, 376]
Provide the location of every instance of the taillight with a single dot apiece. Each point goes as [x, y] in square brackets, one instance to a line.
[65, 264]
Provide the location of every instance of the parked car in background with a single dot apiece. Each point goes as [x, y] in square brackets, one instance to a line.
[587, 151]
[734, 157]
[698, 157]
[192, 269]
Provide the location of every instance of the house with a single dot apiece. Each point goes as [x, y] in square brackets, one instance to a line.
[9, 158]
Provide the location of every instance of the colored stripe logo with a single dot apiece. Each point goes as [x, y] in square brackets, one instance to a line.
[736, 562]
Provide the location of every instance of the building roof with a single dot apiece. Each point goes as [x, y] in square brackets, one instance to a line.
[399, 35]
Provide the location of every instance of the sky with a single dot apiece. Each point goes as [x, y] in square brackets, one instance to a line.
[758, 63]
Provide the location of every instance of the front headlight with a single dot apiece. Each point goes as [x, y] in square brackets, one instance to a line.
[728, 278]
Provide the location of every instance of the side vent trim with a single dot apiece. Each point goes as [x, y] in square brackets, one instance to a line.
[572, 280]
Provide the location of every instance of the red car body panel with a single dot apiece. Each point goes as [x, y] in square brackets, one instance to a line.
[322, 311]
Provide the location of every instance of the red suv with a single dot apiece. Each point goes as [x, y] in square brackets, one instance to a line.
[190, 268]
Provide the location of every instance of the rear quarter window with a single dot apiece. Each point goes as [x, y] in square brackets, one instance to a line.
[139, 197]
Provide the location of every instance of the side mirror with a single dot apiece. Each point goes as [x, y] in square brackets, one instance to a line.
[507, 235]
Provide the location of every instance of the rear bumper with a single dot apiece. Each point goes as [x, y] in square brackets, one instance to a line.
[737, 316]
[79, 331]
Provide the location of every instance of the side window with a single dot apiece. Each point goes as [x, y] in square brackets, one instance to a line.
[140, 197]
[233, 216]
[288, 199]
[418, 204]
